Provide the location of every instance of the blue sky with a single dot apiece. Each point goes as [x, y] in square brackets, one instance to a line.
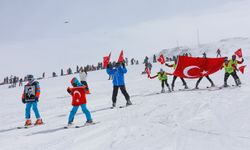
[34, 37]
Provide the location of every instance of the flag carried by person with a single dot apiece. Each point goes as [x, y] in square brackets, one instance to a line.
[121, 58]
[106, 60]
[195, 67]
[161, 59]
[238, 53]
[147, 71]
[242, 69]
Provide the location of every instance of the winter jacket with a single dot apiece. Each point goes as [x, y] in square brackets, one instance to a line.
[78, 93]
[31, 92]
[118, 75]
[229, 67]
[162, 76]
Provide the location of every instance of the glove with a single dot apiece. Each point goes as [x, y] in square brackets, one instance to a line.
[123, 64]
[68, 90]
[23, 100]
[36, 99]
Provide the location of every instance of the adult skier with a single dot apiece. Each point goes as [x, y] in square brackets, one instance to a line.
[118, 81]
[230, 68]
[175, 77]
[78, 93]
[163, 78]
[30, 97]
[208, 78]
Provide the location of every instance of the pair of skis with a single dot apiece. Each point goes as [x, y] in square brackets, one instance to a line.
[81, 126]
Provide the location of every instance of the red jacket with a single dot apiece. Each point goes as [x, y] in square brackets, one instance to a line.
[78, 95]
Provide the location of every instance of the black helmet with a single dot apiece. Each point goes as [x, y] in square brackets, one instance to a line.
[30, 78]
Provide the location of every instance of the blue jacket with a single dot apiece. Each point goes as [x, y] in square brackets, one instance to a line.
[118, 75]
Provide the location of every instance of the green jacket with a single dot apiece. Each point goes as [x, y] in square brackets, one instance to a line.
[229, 67]
[163, 76]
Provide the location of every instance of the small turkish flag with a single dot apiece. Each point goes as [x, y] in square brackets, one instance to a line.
[242, 69]
[161, 59]
[106, 60]
[238, 53]
[148, 72]
[120, 59]
[195, 67]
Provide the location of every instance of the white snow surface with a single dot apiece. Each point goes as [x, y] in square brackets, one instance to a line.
[181, 120]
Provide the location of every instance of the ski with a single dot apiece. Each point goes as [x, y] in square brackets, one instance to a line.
[27, 127]
[80, 126]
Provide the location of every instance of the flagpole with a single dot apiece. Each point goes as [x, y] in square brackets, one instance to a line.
[198, 37]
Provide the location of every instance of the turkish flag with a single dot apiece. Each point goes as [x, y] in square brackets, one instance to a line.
[121, 59]
[238, 53]
[78, 96]
[242, 69]
[106, 60]
[195, 67]
[148, 72]
[161, 59]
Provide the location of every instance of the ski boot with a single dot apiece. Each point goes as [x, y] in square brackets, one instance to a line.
[169, 89]
[225, 84]
[185, 86]
[212, 85]
[128, 102]
[172, 87]
[28, 123]
[162, 90]
[39, 122]
[113, 105]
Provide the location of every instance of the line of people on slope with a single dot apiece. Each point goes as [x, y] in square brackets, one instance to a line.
[230, 67]
[78, 91]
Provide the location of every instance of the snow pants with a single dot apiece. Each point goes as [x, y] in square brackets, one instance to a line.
[123, 90]
[35, 109]
[84, 110]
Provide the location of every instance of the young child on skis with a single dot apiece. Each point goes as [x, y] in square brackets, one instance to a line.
[78, 93]
[162, 76]
[30, 97]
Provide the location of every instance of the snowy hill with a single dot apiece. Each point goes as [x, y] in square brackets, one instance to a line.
[181, 120]
[227, 47]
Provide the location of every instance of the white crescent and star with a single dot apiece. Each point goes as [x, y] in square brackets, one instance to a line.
[77, 92]
[186, 70]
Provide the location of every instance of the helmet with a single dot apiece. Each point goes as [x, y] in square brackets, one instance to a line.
[233, 56]
[30, 78]
[161, 70]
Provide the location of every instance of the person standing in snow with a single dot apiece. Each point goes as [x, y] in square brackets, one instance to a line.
[230, 67]
[175, 77]
[30, 97]
[118, 81]
[162, 76]
[208, 78]
[83, 77]
[218, 52]
[78, 93]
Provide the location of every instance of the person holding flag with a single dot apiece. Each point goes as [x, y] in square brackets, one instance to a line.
[230, 68]
[118, 80]
[175, 77]
[163, 78]
[235, 63]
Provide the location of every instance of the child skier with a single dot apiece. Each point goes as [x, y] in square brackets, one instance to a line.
[162, 76]
[30, 97]
[230, 68]
[175, 77]
[78, 93]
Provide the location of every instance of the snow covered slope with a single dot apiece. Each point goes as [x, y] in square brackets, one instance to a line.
[227, 47]
[181, 120]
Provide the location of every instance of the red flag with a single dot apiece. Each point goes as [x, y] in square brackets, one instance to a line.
[238, 53]
[78, 96]
[161, 59]
[195, 67]
[242, 69]
[106, 60]
[148, 72]
[121, 59]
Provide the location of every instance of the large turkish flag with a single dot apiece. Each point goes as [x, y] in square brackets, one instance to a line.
[78, 96]
[195, 67]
